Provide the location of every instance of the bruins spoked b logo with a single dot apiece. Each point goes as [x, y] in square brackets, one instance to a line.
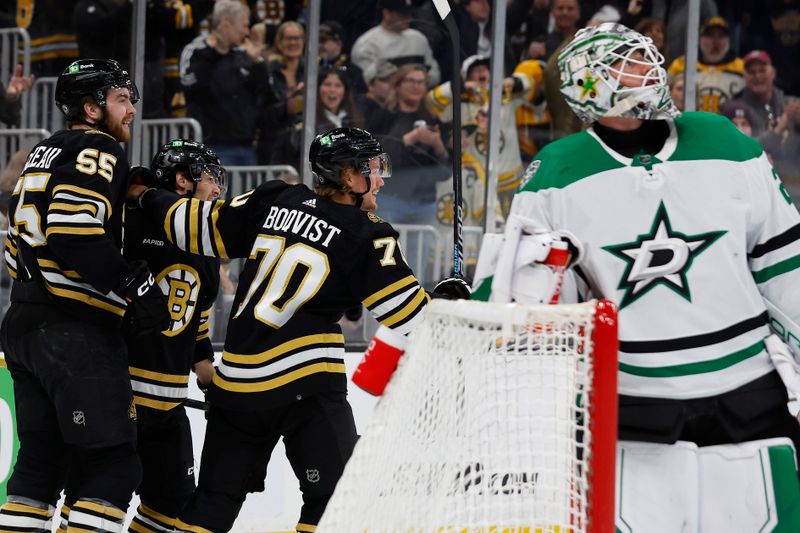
[181, 285]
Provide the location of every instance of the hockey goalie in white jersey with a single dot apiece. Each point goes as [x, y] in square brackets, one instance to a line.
[681, 220]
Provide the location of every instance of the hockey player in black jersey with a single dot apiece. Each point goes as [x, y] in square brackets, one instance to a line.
[309, 256]
[160, 364]
[72, 291]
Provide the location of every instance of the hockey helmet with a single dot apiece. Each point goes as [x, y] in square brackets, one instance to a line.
[192, 157]
[90, 77]
[592, 66]
[342, 147]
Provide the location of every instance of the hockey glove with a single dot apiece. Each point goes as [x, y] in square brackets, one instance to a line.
[140, 181]
[380, 360]
[452, 289]
[147, 311]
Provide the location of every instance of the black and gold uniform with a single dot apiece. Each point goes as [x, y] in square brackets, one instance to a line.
[72, 289]
[160, 365]
[282, 374]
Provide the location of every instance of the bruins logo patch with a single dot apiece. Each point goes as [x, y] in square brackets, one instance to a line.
[181, 285]
[374, 218]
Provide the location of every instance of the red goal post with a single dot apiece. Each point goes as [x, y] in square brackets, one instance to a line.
[501, 418]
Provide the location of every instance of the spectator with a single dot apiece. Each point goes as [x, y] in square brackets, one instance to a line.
[103, 29]
[676, 84]
[760, 94]
[182, 20]
[720, 74]
[10, 97]
[740, 114]
[226, 85]
[357, 17]
[331, 54]
[656, 30]
[378, 88]
[53, 41]
[782, 143]
[335, 106]
[411, 135]
[518, 90]
[535, 29]
[565, 14]
[675, 15]
[394, 40]
[282, 119]
[533, 118]
[473, 24]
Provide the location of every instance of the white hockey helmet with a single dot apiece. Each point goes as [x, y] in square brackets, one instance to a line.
[593, 62]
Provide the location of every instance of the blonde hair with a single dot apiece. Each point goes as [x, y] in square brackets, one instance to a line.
[276, 54]
[397, 79]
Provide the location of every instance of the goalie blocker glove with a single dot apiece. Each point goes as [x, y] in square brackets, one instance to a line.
[380, 360]
[147, 311]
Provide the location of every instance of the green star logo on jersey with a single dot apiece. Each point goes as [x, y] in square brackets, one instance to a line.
[661, 257]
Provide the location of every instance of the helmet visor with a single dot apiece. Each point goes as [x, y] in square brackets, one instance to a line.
[380, 163]
[216, 173]
[125, 84]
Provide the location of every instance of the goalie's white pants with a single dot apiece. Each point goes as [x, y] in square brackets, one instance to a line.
[731, 488]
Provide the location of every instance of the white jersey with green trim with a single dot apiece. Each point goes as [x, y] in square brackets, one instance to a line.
[687, 242]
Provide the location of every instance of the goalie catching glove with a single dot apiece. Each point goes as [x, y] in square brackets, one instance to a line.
[147, 311]
[380, 360]
[524, 264]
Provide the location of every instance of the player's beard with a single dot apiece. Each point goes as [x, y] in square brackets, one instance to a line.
[117, 130]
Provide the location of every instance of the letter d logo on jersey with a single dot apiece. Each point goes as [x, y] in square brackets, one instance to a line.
[661, 257]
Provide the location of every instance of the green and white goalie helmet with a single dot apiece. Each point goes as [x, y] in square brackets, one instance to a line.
[592, 67]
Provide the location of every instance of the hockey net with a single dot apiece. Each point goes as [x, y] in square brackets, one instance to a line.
[500, 418]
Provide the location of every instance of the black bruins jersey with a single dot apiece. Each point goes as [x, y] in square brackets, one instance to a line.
[160, 365]
[65, 223]
[307, 260]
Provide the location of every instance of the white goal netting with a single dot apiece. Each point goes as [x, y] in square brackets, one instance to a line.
[485, 427]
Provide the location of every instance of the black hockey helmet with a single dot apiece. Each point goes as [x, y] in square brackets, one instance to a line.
[90, 77]
[192, 157]
[341, 147]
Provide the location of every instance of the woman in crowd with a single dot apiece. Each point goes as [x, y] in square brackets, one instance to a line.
[280, 119]
[335, 105]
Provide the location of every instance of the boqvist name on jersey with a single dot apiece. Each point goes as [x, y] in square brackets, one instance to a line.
[300, 223]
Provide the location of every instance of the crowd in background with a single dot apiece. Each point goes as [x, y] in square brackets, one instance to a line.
[385, 65]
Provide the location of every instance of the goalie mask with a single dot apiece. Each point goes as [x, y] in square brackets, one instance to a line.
[196, 159]
[337, 149]
[594, 65]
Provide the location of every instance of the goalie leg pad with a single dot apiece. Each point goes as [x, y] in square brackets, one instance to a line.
[750, 486]
[656, 487]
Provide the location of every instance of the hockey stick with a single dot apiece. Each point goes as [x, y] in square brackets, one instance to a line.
[196, 404]
[443, 8]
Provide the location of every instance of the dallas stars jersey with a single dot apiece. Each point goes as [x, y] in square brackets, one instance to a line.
[64, 222]
[307, 260]
[685, 241]
[160, 364]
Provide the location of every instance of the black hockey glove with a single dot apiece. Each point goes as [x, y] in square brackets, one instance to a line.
[141, 176]
[147, 311]
[353, 314]
[452, 289]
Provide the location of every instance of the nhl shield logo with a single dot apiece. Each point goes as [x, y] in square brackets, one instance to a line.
[312, 475]
[78, 418]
